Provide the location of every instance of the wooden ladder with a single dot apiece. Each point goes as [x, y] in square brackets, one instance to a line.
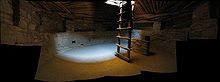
[128, 28]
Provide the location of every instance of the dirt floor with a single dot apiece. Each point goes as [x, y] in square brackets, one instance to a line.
[54, 68]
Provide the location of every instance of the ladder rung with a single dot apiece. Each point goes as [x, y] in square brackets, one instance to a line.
[122, 57]
[123, 37]
[121, 13]
[123, 21]
[122, 47]
[124, 28]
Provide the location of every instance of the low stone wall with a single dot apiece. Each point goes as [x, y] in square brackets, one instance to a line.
[70, 40]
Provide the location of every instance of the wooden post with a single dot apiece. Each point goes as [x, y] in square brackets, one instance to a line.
[130, 24]
[147, 38]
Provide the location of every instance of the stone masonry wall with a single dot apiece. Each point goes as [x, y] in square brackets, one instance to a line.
[70, 40]
[92, 16]
[28, 31]
[203, 27]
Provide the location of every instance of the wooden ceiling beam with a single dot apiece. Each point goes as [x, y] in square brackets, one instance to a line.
[143, 7]
[190, 4]
[40, 4]
[36, 6]
[157, 5]
[138, 9]
[147, 5]
[143, 21]
[153, 6]
[163, 6]
[68, 4]
[58, 7]
[147, 17]
[176, 6]
[63, 7]
[171, 6]
[45, 5]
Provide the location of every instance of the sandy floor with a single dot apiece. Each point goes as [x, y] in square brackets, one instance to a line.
[58, 67]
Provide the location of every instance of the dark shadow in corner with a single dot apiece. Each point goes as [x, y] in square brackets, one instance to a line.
[197, 59]
[20, 62]
[145, 76]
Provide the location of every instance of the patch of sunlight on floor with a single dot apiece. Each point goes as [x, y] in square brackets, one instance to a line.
[90, 54]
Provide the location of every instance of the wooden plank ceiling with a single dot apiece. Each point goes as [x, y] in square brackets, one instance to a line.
[149, 10]
[154, 10]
